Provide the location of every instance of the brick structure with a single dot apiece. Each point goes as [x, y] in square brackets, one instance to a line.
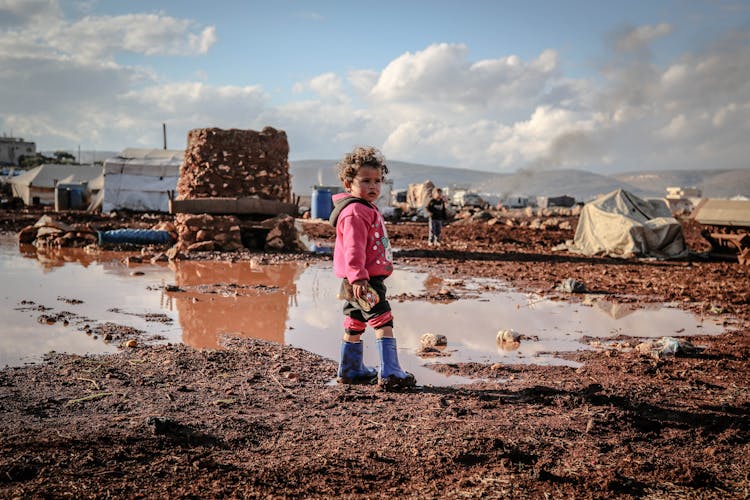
[236, 163]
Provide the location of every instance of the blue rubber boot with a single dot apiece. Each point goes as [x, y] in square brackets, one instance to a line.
[351, 368]
[391, 376]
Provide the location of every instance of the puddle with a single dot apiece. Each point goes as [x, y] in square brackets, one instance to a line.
[293, 304]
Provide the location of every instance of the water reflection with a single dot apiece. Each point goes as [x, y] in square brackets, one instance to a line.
[233, 298]
[51, 258]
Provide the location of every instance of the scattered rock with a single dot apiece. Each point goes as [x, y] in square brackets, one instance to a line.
[432, 340]
[508, 335]
[666, 346]
[571, 285]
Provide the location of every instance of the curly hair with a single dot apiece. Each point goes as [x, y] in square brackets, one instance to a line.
[361, 156]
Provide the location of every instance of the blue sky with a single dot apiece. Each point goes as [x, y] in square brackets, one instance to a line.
[493, 85]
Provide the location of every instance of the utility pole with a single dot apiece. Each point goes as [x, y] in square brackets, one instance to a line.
[164, 134]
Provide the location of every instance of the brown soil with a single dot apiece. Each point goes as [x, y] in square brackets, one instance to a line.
[261, 419]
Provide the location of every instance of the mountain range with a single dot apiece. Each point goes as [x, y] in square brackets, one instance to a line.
[580, 184]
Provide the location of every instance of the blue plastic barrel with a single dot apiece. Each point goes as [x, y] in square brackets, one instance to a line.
[322, 203]
[76, 198]
[135, 236]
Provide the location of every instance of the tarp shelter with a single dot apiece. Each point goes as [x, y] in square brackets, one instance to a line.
[141, 179]
[37, 186]
[621, 224]
[418, 195]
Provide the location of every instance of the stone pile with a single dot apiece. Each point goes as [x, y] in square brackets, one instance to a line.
[232, 164]
[235, 163]
[50, 233]
[204, 232]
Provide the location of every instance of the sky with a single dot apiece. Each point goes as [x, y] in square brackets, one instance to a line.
[495, 85]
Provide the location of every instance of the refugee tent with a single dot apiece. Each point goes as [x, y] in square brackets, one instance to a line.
[37, 186]
[418, 195]
[141, 179]
[621, 224]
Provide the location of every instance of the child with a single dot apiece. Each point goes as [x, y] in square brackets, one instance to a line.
[438, 214]
[362, 256]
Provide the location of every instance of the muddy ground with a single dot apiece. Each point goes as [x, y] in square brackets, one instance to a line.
[260, 419]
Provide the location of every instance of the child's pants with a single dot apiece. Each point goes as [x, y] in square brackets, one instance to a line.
[436, 229]
[356, 320]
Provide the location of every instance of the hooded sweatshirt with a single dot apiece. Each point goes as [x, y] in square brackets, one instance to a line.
[362, 248]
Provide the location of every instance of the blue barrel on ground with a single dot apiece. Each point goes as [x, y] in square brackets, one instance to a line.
[322, 203]
[135, 236]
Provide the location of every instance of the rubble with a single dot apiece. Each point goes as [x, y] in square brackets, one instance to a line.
[50, 233]
[235, 164]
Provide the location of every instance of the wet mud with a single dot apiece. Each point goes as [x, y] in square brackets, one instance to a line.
[255, 418]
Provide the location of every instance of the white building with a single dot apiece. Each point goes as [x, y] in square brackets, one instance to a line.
[12, 148]
[678, 192]
[682, 199]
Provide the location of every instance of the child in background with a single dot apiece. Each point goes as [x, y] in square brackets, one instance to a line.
[438, 214]
[362, 257]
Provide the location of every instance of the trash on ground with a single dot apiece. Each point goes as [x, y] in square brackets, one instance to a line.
[571, 285]
[667, 346]
[433, 340]
[433, 345]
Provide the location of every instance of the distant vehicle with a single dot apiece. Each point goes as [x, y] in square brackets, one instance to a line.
[10, 171]
[466, 199]
[516, 202]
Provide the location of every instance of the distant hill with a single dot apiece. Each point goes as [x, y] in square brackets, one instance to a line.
[580, 184]
[712, 183]
[309, 173]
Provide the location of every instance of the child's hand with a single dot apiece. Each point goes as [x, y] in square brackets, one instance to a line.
[359, 288]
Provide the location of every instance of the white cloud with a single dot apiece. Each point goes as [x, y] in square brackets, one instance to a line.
[148, 34]
[443, 75]
[38, 26]
[65, 84]
[641, 36]
[329, 87]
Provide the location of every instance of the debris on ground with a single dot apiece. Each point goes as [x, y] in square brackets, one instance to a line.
[571, 285]
[667, 346]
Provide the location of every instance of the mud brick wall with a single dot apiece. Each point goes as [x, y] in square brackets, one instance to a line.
[235, 163]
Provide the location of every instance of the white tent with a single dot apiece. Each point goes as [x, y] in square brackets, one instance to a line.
[620, 224]
[37, 186]
[140, 179]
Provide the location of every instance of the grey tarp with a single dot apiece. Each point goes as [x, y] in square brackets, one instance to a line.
[621, 224]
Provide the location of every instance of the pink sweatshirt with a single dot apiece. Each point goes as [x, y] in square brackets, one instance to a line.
[362, 248]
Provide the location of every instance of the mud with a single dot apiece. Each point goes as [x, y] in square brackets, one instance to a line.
[261, 419]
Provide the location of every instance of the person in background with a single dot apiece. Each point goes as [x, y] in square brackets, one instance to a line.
[438, 214]
[363, 258]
